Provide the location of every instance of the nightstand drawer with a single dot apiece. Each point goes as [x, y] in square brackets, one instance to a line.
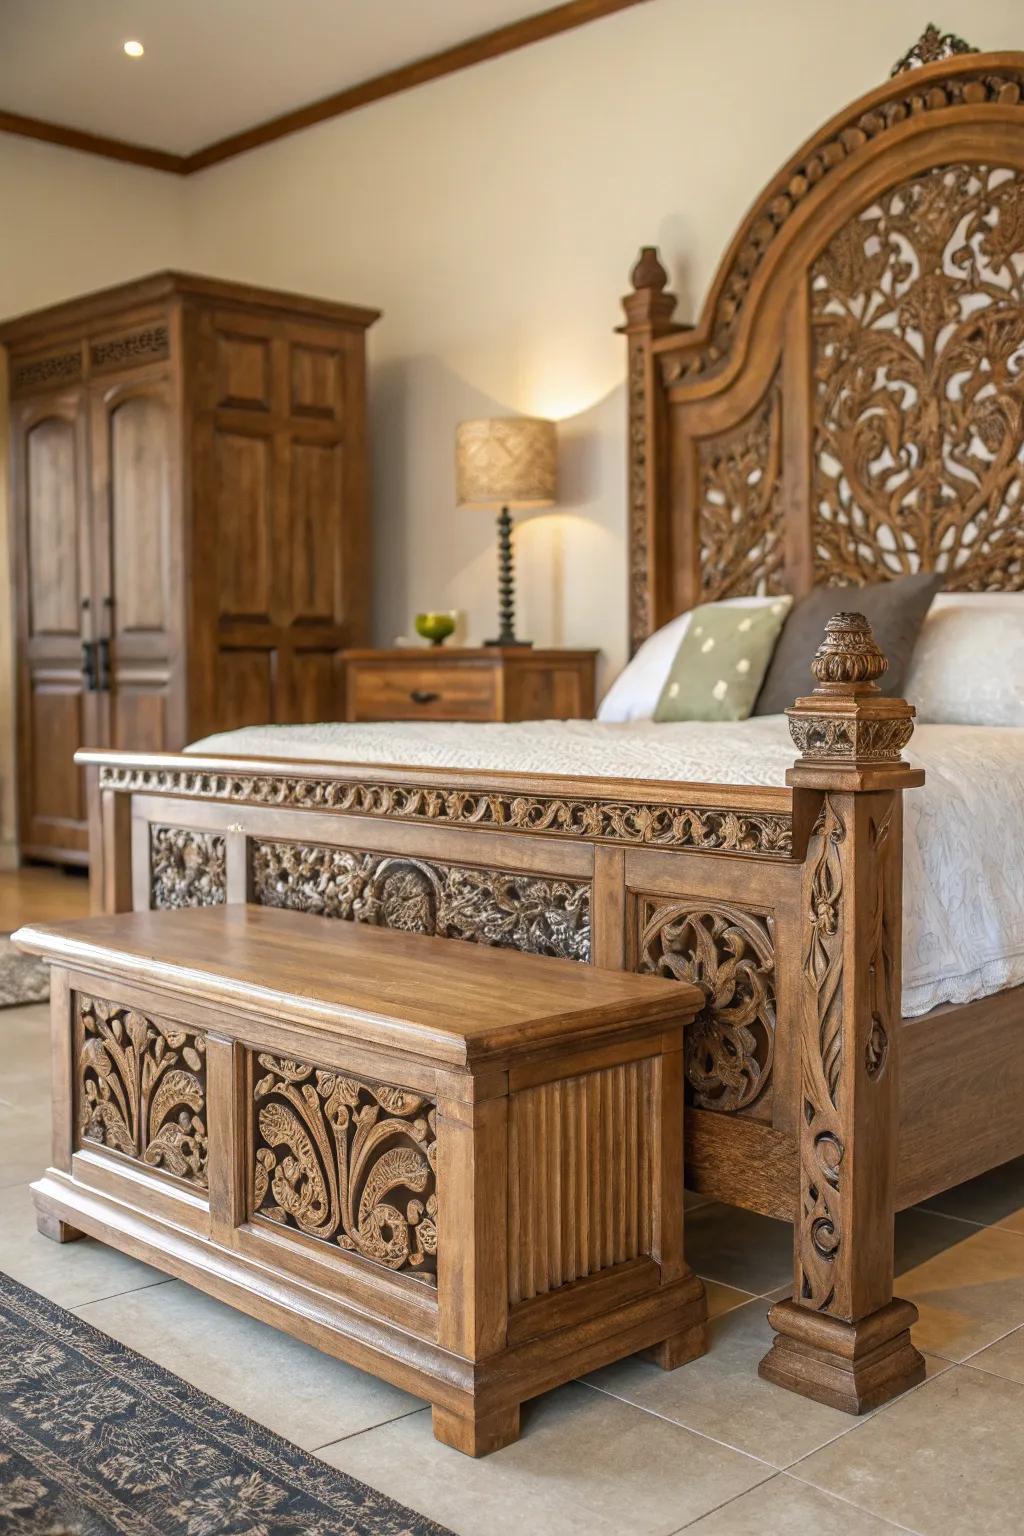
[421, 690]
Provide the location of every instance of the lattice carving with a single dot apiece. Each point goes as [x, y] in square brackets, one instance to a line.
[741, 523]
[145, 345]
[142, 1087]
[918, 345]
[38, 372]
[645, 823]
[541, 916]
[821, 1134]
[187, 868]
[730, 954]
[963, 89]
[352, 1163]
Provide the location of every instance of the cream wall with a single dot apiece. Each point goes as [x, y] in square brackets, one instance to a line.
[494, 217]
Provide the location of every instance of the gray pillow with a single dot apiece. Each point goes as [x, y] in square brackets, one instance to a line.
[894, 609]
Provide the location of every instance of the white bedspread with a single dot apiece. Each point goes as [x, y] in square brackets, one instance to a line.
[963, 888]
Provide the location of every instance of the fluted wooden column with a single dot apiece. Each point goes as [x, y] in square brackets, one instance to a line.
[842, 1338]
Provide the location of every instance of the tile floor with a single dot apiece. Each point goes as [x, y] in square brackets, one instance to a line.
[632, 1451]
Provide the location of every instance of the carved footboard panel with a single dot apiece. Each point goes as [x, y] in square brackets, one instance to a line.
[700, 888]
[782, 905]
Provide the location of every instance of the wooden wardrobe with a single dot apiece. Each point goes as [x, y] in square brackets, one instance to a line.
[189, 470]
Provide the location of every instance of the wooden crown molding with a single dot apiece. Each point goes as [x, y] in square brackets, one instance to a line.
[476, 50]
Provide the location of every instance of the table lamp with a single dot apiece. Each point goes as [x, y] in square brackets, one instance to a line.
[505, 462]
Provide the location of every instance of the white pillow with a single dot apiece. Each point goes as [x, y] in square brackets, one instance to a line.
[968, 663]
[635, 692]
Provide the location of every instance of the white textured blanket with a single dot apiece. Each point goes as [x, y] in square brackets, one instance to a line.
[963, 888]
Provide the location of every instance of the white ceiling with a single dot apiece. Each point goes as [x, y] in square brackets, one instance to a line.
[214, 67]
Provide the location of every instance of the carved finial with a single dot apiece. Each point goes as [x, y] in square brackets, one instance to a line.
[931, 45]
[847, 722]
[649, 307]
[648, 271]
[849, 656]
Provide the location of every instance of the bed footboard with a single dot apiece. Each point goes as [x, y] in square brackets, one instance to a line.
[783, 905]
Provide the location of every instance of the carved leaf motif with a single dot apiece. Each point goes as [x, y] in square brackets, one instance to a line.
[918, 345]
[730, 955]
[348, 1162]
[142, 1088]
[299, 1185]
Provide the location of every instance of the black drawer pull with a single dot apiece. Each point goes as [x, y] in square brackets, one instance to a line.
[423, 696]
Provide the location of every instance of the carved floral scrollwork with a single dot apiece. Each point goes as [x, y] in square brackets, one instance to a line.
[187, 868]
[642, 823]
[541, 916]
[142, 1087]
[730, 955]
[352, 1163]
[821, 1138]
[740, 508]
[918, 351]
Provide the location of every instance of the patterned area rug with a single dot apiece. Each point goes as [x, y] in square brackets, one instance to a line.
[23, 978]
[96, 1440]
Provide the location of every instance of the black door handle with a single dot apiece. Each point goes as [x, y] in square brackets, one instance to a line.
[423, 696]
[103, 665]
[89, 665]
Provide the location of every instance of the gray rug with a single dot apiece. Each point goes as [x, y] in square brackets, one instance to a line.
[96, 1440]
[23, 978]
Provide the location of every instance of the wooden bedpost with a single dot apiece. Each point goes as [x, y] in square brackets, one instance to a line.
[649, 310]
[842, 1338]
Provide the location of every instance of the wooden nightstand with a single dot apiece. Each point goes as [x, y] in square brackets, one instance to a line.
[486, 683]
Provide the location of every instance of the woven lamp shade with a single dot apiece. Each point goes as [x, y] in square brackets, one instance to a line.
[508, 461]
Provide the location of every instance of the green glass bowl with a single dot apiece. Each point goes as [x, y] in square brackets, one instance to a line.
[435, 627]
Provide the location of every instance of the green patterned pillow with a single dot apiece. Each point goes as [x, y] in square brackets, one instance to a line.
[721, 661]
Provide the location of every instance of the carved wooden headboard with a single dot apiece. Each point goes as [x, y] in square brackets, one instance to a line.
[850, 405]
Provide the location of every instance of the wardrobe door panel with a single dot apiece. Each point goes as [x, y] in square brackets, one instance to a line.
[56, 713]
[315, 543]
[246, 688]
[135, 478]
[242, 473]
[58, 799]
[315, 685]
[140, 510]
[55, 566]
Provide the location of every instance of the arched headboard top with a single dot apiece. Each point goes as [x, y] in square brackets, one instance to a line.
[850, 405]
[967, 89]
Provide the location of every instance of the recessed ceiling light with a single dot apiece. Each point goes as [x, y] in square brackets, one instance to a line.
[134, 49]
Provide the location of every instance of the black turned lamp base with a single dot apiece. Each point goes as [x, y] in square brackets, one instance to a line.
[506, 585]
